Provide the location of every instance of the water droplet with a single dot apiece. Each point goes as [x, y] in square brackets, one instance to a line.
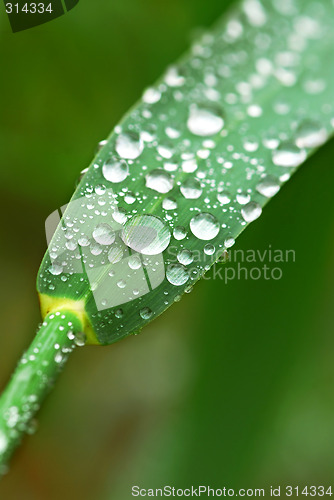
[229, 242]
[173, 78]
[251, 211]
[80, 339]
[185, 257]
[191, 189]
[129, 198]
[55, 269]
[189, 165]
[129, 145]
[204, 121]
[310, 134]
[145, 313]
[119, 313]
[146, 234]
[204, 226]
[179, 232]
[115, 170]
[177, 274]
[268, 186]
[224, 197]
[209, 249]
[134, 262]
[104, 234]
[115, 254]
[288, 155]
[151, 95]
[169, 204]
[159, 181]
[243, 197]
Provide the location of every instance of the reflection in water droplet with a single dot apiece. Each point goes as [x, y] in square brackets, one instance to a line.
[310, 134]
[268, 186]
[129, 145]
[251, 211]
[115, 170]
[204, 226]
[288, 155]
[191, 189]
[177, 274]
[104, 234]
[159, 181]
[204, 121]
[146, 234]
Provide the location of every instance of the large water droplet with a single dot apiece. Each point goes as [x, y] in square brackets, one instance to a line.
[310, 134]
[268, 186]
[204, 121]
[204, 226]
[159, 181]
[146, 234]
[115, 170]
[104, 234]
[177, 274]
[129, 145]
[288, 155]
[251, 211]
[191, 189]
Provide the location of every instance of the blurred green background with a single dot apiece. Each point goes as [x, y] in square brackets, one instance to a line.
[234, 385]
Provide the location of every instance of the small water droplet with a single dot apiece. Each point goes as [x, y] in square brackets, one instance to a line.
[191, 189]
[177, 274]
[288, 155]
[204, 121]
[179, 232]
[146, 234]
[104, 234]
[204, 226]
[169, 204]
[209, 249]
[185, 257]
[243, 197]
[159, 181]
[145, 313]
[115, 170]
[80, 339]
[268, 186]
[310, 134]
[224, 197]
[251, 211]
[129, 145]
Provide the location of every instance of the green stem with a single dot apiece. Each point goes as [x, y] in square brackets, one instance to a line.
[34, 377]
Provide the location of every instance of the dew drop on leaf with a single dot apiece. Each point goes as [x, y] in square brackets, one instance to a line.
[204, 226]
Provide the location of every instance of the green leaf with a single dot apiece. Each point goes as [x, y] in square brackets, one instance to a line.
[192, 165]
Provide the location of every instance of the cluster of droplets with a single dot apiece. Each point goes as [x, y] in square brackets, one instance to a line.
[191, 166]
